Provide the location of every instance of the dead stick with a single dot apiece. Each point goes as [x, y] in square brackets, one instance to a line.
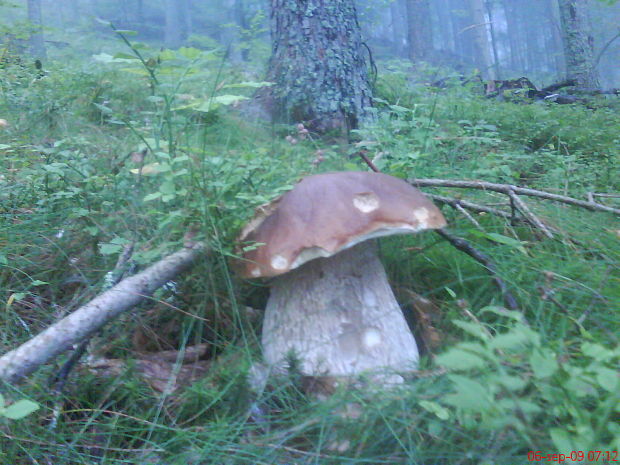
[505, 188]
[520, 204]
[455, 203]
[83, 322]
[464, 246]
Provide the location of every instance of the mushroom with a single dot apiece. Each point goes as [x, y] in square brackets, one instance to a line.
[330, 305]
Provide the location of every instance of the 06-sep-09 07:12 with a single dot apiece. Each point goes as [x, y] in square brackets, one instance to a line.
[575, 456]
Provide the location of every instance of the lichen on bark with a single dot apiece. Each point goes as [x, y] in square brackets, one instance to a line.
[318, 64]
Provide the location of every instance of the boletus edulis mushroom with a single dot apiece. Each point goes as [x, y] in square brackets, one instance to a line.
[330, 305]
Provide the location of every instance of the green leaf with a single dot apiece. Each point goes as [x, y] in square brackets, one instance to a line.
[517, 338]
[501, 239]
[20, 409]
[434, 407]
[103, 109]
[107, 58]
[190, 53]
[246, 84]
[469, 395]
[512, 383]
[596, 351]
[608, 379]
[543, 363]
[126, 32]
[562, 440]
[455, 359]
[512, 314]
[229, 99]
[475, 329]
[153, 196]
[109, 249]
[125, 56]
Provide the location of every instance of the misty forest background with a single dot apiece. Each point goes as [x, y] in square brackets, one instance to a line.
[130, 128]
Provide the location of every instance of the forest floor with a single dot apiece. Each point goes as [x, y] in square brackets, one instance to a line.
[101, 155]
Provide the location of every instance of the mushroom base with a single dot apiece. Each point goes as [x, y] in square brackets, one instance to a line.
[337, 316]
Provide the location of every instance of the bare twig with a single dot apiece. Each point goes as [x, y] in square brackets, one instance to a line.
[80, 324]
[455, 203]
[506, 188]
[464, 246]
[466, 214]
[520, 204]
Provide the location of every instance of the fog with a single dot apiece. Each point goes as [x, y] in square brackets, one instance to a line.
[499, 39]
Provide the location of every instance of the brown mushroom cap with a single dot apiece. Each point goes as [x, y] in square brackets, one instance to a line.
[327, 213]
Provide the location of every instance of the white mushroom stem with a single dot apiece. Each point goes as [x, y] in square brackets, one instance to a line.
[338, 316]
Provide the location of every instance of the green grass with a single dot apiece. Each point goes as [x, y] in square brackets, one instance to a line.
[69, 200]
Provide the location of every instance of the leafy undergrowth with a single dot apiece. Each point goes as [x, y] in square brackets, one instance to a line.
[141, 152]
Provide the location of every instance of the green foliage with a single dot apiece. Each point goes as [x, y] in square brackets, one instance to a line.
[513, 379]
[142, 145]
[17, 410]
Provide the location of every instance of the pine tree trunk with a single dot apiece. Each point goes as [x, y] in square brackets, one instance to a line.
[578, 43]
[419, 29]
[318, 65]
[173, 30]
[37, 43]
[478, 30]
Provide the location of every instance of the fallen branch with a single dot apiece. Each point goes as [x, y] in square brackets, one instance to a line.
[464, 246]
[83, 322]
[506, 188]
[520, 204]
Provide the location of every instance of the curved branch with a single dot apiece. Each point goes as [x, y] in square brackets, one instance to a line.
[507, 188]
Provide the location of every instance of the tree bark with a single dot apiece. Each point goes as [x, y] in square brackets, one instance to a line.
[318, 65]
[86, 320]
[578, 43]
[478, 30]
[419, 30]
[173, 29]
[337, 316]
[398, 27]
[37, 43]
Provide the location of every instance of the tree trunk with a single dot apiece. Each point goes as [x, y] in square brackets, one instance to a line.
[478, 29]
[419, 30]
[173, 30]
[336, 320]
[512, 31]
[578, 43]
[554, 41]
[37, 43]
[398, 27]
[496, 65]
[317, 64]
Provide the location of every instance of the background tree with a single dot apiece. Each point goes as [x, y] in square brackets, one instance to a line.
[37, 43]
[318, 64]
[480, 37]
[578, 42]
[177, 15]
[419, 30]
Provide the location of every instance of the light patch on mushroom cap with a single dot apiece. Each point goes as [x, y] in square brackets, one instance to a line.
[366, 202]
[255, 272]
[421, 214]
[278, 262]
[371, 337]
